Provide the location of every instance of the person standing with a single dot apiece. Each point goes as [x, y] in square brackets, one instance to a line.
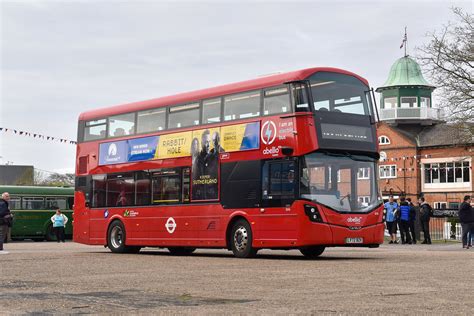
[466, 217]
[403, 214]
[5, 219]
[390, 219]
[59, 224]
[411, 222]
[425, 216]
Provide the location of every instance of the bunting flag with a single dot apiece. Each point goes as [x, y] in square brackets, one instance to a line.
[37, 136]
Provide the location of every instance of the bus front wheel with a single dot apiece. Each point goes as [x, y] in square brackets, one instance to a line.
[312, 252]
[241, 240]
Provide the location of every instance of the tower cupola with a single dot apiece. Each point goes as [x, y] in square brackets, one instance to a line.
[406, 95]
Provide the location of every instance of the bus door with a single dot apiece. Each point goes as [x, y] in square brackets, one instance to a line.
[81, 211]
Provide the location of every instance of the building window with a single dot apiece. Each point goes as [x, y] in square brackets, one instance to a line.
[447, 172]
[425, 102]
[440, 205]
[151, 121]
[408, 102]
[363, 173]
[242, 106]
[183, 115]
[390, 103]
[454, 205]
[384, 140]
[364, 200]
[388, 171]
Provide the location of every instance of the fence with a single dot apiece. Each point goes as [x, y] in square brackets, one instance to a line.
[444, 226]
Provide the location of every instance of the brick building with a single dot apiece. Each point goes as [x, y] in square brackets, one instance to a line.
[421, 155]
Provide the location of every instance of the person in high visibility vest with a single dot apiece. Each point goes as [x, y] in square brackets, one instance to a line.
[59, 224]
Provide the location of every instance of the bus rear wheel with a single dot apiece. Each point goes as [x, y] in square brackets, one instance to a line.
[181, 251]
[116, 239]
[241, 240]
[312, 252]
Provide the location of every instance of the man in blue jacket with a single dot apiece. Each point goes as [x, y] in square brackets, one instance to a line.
[390, 219]
[403, 214]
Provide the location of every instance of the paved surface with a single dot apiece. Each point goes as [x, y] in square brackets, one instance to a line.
[51, 278]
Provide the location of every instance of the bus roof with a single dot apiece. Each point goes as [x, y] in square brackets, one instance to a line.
[36, 190]
[266, 81]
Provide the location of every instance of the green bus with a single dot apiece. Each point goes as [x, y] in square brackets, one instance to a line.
[32, 208]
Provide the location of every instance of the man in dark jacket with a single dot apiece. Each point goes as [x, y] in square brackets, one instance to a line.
[425, 215]
[466, 217]
[5, 216]
[403, 214]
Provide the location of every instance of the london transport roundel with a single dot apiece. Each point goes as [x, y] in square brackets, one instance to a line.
[268, 132]
[170, 225]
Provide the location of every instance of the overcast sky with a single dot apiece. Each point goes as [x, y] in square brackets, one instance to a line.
[60, 58]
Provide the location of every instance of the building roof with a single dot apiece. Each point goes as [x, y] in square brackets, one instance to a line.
[267, 81]
[437, 135]
[405, 72]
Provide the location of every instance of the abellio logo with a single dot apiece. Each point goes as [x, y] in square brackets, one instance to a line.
[268, 132]
[271, 151]
[354, 220]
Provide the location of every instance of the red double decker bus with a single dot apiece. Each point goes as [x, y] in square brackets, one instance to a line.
[282, 162]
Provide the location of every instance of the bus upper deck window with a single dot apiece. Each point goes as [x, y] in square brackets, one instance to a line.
[276, 101]
[95, 129]
[151, 120]
[300, 97]
[122, 125]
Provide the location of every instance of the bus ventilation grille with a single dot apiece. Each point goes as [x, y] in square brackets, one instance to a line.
[82, 168]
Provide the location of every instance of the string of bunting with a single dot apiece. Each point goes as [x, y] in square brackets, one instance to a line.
[37, 135]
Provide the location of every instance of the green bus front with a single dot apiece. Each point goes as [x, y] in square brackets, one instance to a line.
[32, 208]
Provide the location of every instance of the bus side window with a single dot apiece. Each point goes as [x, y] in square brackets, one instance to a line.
[70, 202]
[278, 182]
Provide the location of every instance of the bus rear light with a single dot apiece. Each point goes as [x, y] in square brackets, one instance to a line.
[313, 213]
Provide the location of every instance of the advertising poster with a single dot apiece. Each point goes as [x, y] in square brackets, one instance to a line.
[174, 145]
[142, 148]
[204, 146]
[113, 152]
[241, 137]
[205, 149]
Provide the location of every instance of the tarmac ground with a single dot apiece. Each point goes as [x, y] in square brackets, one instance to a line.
[51, 278]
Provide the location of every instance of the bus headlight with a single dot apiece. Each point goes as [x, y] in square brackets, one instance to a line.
[313, 214]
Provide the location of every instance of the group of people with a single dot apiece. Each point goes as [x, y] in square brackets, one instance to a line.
[402, 216]
[58, 220]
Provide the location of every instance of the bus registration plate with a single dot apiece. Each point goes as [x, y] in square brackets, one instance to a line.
[356, 240]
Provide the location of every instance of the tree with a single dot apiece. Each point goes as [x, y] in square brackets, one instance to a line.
[54, 179]
[448, 59]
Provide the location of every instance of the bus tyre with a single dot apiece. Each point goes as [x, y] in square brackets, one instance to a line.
[312, 252]
[241, 240]
[181, 251]
[116, 238]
